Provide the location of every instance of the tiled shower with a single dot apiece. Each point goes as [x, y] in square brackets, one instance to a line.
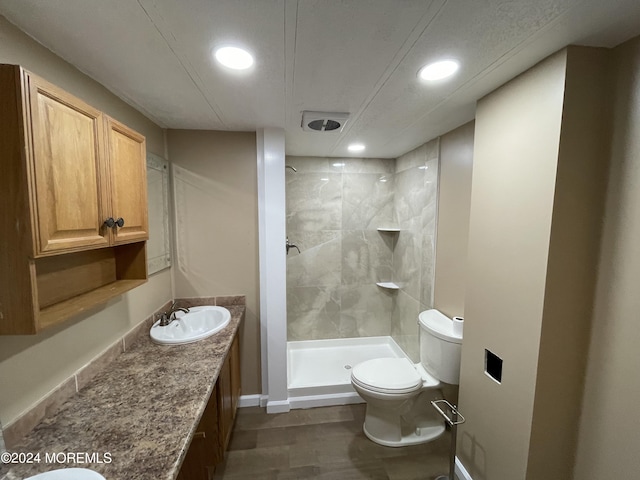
[335, 208]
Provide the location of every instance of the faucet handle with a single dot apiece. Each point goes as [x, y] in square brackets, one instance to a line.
[290, 246]
[165, 319]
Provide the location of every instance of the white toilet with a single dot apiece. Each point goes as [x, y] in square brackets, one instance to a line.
[398, 393]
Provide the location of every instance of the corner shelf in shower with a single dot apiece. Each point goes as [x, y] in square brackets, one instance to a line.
[388, 285]
[388, 229]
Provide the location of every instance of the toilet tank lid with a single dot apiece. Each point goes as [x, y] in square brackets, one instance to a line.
[439, 325]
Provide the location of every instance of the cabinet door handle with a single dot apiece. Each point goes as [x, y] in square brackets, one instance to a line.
[110, 222]
[199, 435]
[120, 222]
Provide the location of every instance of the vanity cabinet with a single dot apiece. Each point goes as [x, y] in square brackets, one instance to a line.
[73, 221]
[212, 436]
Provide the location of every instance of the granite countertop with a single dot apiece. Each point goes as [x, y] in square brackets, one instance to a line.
[135, 420]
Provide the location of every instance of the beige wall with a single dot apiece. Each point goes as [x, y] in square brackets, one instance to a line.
[511, 201]
[571, 267]
[534, 223]
[609, 438]
[454, 204]
[216, 238]
[31, 366]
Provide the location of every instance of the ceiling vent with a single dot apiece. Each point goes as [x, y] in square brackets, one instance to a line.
[323, 121]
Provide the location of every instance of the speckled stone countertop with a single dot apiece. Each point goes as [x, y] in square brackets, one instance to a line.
[137, 416]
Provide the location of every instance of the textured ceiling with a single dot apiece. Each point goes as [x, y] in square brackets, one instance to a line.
[358, 56]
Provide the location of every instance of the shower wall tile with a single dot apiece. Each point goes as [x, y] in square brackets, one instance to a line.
[433, 149]
[312, 165]
[313, 313]
[314, 201]
[410, 197]
[368, 165]
[430, 212]
[308, 241]
[404, 324]
[367, 201]
[415, 207]
[366, 258]
[429, 217]
[407, 260]
[367, 310]
[413, 159]
[319, 260]
[332, 214]
[427, 270]
[334, 206]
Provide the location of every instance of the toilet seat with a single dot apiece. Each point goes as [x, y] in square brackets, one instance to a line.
[387, 375]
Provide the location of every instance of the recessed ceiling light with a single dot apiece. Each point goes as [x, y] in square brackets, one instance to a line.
[338, 164]
[438, 70]
[356, 147]
[234, 57]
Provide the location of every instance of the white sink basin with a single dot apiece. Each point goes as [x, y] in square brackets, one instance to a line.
[199, 323]
[68, 474]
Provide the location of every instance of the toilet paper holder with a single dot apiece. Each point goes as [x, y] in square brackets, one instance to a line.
[455, 413]
[457, 419]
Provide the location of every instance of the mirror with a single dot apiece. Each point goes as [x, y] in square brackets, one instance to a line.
[159, 245]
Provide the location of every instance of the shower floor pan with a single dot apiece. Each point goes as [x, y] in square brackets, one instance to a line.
[319, 371]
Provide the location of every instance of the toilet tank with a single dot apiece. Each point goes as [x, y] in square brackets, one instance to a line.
[440, 347]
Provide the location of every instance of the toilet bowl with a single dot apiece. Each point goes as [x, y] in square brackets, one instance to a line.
[397, 392]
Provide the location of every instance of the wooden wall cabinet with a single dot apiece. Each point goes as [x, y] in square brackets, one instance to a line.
[127, 161]
[212, 436]
[73, 221]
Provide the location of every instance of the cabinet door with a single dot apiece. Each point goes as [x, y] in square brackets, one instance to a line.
[68, 188]
[205, 450]
[235, 374]
[128, 178]
[225, 404]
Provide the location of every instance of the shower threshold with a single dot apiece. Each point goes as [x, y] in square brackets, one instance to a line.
[319, 371]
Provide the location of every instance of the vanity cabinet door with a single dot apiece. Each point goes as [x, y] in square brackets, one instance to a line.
[68, 187]
[128, 181]
[225, 404]
[228, 387]
[204, 449]
[235, 375]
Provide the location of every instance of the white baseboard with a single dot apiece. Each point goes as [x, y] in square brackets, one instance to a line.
[278, 406]
[461, 472]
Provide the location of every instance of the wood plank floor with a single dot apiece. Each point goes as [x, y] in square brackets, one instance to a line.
[322, 443]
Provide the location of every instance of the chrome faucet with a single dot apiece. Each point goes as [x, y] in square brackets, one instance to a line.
[291, 245]
[170, 315]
